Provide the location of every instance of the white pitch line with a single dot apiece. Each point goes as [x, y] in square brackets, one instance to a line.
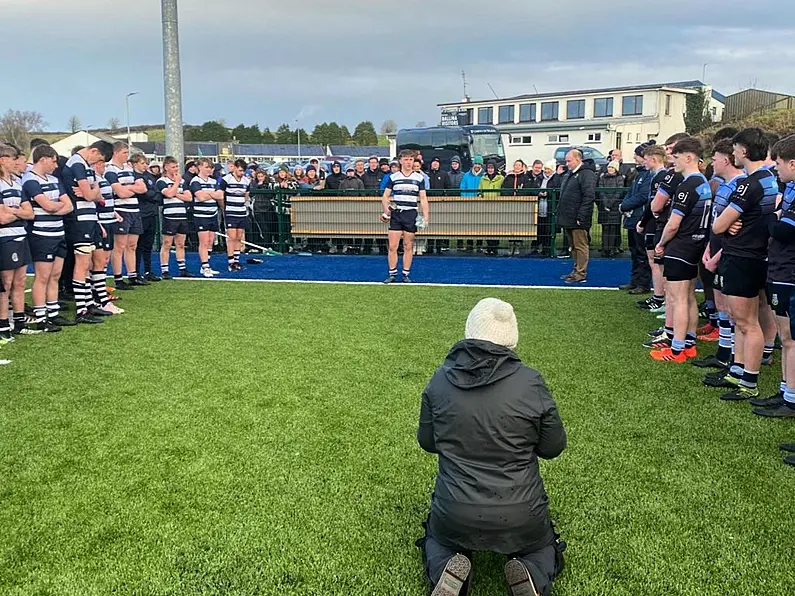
[376, 283]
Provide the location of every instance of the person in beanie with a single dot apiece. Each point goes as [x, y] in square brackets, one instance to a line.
[439, 179]
[609, 215]
[489, 418]
[455, 175]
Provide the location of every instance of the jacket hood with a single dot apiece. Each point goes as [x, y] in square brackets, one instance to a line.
[473, 363]
[588, 164]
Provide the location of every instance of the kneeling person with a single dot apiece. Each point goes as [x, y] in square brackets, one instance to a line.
[489, 424]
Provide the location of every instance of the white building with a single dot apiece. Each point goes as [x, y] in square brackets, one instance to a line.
[85, 138]
[535, 126]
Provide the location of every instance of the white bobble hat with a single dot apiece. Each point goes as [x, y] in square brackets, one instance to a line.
[493, 320]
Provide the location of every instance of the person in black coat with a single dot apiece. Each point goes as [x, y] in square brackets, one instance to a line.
[575, 211]
[439, 179]
[489, 418]
[336, 177]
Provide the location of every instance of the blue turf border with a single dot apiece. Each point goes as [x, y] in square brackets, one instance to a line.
[426, 269]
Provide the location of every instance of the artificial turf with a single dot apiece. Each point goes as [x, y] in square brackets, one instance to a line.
[242, 439]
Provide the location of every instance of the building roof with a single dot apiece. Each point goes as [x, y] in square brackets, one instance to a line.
[359, 150]
[677, 85]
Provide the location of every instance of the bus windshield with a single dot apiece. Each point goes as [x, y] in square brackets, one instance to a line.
[487, 144]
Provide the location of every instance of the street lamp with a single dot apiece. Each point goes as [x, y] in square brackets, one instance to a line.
[86, 129]
[127, 100]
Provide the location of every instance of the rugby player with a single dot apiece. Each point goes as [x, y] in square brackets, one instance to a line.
[682, 243]
[175, 216]
[404, 190]
[235, 188]
[206, 195]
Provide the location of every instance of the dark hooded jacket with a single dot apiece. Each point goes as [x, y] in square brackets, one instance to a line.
[439, 179]
[577, 197]
[489, 418]
[333, 180]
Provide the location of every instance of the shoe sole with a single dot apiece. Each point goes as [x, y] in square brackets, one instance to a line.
[704, 364]
[518, 579]
[454, 577]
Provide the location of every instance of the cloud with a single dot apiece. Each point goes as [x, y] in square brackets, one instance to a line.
[351, 61]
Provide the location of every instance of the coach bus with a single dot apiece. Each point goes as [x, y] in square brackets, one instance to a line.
[445, 142]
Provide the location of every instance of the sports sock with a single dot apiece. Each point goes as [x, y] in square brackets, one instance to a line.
[750, 379]
[406, 272]
[725, 338]
[658, 299]
[40, 312]
[205, 264]
[789, 398]
[393, 272]
[230, 261]
[81, 304]
[768, 351]
[19, 320]
[182, 266]
[782, 387]
[100, 287]
[237, 257]
[737, 370]
[118, 278]
[690, 340]
[669, 333]
[53, 309]
[131, 275]
[677, 346]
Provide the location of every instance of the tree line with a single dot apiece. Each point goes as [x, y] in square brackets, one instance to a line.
[326, 133]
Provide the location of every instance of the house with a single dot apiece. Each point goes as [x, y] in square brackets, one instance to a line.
[755, 101]
[533, 126]
[85, 138]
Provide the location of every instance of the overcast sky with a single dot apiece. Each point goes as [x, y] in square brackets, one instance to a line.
[270, 61]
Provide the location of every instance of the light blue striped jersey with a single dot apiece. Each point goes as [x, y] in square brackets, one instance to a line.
[125, 176]
[173, 208]
[11, 196]
[203, 209]
[406, 189]
[44, 223]
[235, 195]
[77, 169]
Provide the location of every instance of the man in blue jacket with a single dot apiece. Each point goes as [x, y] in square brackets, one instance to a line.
[632, 207]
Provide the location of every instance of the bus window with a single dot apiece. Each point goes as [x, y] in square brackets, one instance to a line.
[487, 145]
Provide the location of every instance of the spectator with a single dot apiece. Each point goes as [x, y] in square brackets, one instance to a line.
[191, 170]
[490, 185]
[419, 170]
[632, 207]
[536, 173]
[455, 175]
[358, 168]
[489, 495]
[351, 181]
[575, 211]
[321, 173]
[565, 252]
[471, 180]
[149, 207]
[394, 166]
[518, 179]
[312, 180]
[154, 170]
[334, 179]
[263, 207]
[624, 169]
[439, 179]
[609, 209]
[548, 180]
[373, 175]
[299, 175]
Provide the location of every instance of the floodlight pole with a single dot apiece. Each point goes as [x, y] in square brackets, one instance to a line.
[172, 82]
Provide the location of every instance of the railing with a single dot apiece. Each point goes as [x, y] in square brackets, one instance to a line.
[495, 222]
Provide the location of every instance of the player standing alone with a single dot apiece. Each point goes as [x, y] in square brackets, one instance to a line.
[406, 188]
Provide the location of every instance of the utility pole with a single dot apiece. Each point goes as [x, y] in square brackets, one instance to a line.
[127, 100]
[172, 82]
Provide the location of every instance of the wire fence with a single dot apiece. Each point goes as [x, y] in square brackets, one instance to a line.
[489, 222]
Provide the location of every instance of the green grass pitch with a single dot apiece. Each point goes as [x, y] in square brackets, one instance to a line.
[256, 439]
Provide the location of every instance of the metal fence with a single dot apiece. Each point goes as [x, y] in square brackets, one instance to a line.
[491, 222]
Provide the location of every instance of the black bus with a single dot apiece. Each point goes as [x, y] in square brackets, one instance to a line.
[446, 141]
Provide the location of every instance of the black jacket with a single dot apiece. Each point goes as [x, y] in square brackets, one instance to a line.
[610, 201]
[516, 182]
[455, 177]
[489, 418]
[372, 180]
[577, 197]
[439, 179]
[333, 181]
[149, 202]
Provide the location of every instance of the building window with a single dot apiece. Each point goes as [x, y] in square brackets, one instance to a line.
[594, 137]
[556, 139]
[575, 109]
[633, 105]
[524, 140]
[603, 107]
[485, 115]
[527, 112]
[714, 111]
[506, 114]
[470, 116]
[667, 104]
[549, 110]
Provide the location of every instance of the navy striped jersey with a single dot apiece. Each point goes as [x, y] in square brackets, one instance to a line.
[755, 200]
[125, 176]
[234, 195]
[781, 256]
[667, 187]
[203, 209]
[693, 202]
[77, 169]
[406, 189]
[44, 222]
[720, 203]
[11, 196]
[106, 210]
[173, 208]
